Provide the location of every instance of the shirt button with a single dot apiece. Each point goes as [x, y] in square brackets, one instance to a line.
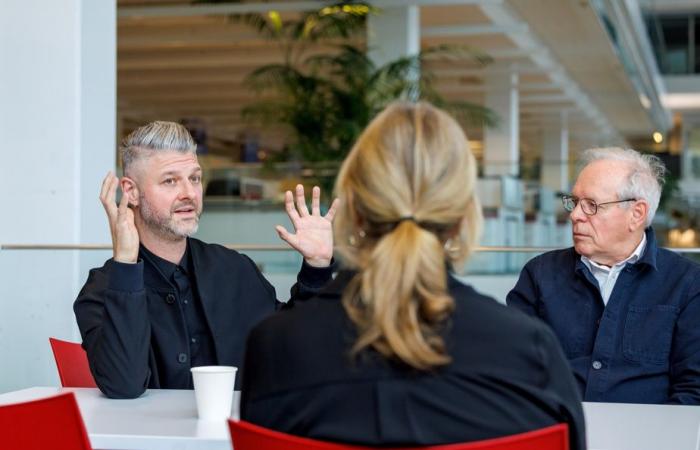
[170, 299]
[182, 358]
[185, 301]
[193, 340]
[597, 365]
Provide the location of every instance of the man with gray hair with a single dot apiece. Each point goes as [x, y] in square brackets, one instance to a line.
[626, 312]
[167, 302]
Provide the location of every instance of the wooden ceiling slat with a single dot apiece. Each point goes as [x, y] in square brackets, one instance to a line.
[175, 67]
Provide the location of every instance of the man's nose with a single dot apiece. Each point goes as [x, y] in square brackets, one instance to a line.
[577, 214]
[187, 190]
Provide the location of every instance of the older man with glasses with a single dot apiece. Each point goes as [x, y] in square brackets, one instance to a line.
[626, 312]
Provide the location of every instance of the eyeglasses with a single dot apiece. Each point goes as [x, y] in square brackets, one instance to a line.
[588, 206]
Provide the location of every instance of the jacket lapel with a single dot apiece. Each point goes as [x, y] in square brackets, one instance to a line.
[205, 274]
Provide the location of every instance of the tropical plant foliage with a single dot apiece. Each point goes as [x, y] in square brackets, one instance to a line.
[326, 100]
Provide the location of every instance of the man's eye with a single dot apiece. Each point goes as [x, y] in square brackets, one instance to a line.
[169, 181]
[196, 179]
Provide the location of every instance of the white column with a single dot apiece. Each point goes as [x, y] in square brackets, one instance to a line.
[57, 126]
[392, 34]
[502, 144]
[98, 124]
[555, 156]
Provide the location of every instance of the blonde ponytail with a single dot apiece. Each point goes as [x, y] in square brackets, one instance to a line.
[404, 296]
[406, 188]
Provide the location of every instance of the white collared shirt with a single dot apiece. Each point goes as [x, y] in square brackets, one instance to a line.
[607, 276]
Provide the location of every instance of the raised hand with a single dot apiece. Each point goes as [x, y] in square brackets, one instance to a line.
[125, 237]
[313, 236]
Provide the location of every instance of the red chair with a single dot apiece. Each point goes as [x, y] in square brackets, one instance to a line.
[48, 423]
[246, 436]
[72, 364]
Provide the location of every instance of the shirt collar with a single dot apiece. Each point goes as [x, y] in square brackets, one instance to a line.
[631, 259]
[649, 255]
[164, 266]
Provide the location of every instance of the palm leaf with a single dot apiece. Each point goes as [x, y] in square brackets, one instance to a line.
[469, 113]
[259, 22]
[327, 100]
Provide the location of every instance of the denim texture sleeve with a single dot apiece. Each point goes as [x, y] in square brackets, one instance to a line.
[685, 355]
[525, 296]
[560, 382]
[113, 320]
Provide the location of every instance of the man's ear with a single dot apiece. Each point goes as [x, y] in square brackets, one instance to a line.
[640, 210]
[131, 190]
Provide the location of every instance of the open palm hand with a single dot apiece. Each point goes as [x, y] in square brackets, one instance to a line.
[313, 233]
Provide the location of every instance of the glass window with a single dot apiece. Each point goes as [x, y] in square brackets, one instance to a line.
[697, 43]
[654, 30]
[675, 32]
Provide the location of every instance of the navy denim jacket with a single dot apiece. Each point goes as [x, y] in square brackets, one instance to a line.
[644, 346]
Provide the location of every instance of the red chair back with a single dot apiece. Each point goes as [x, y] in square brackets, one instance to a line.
[246, 436]
[48, 423]
[72, 364]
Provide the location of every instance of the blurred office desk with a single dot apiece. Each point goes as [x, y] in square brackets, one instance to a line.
[624, 426]
[161, 419]
[167, 419]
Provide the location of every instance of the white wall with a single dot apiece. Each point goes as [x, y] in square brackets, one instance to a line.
[57, 128]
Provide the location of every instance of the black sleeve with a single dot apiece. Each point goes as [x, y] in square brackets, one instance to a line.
[310, 281]
[524, 296]
[113, 320]
[251, 370]
[560, 384]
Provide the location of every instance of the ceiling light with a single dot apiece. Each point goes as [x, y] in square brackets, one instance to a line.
[644, 100]
[658, 137]
[681, 101]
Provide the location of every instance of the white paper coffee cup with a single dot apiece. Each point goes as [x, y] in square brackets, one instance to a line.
[213, 391]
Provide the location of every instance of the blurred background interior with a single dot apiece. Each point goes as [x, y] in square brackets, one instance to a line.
[275, 94]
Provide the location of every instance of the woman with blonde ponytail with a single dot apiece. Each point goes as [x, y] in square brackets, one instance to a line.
[396, 351]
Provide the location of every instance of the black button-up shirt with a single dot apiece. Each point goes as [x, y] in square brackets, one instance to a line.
[181, 277]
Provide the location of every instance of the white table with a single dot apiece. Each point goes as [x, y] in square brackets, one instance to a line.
[167, 419]
[158, 420]
[624, 426]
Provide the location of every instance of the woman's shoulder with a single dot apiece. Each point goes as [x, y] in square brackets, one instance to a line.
[478, 314]
[307, 316]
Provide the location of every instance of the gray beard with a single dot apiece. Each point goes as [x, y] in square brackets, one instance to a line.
[164, 226]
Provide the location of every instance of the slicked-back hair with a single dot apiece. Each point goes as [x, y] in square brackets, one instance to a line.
[645, 178]
[153, 137]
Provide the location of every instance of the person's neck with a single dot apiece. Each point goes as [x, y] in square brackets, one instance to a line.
[624, 252]
[169, 249]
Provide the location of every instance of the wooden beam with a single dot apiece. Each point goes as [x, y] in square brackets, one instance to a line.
[243, 8]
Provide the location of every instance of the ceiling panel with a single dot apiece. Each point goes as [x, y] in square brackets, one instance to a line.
[195, 66]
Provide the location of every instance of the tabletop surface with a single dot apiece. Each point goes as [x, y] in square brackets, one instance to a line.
[167, 419]
[625, 426]
[159, 419]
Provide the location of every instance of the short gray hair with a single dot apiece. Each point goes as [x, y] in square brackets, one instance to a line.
[645, 179]
[156, 136]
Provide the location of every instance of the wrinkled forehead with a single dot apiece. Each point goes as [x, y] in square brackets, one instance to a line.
[601, 180]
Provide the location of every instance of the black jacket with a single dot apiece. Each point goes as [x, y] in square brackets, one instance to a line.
[508, 375]
[134, 332]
